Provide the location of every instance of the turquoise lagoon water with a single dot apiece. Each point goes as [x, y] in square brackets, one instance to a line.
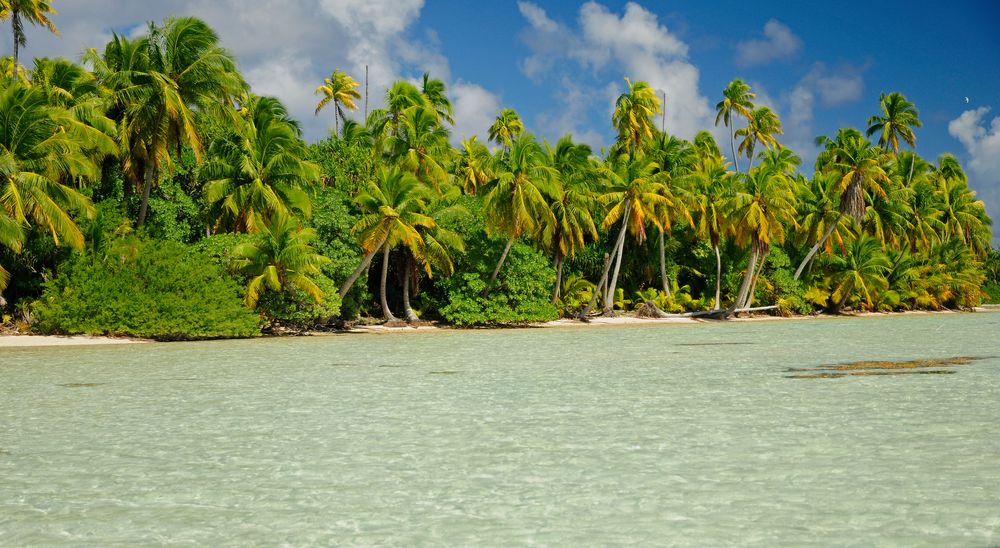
[649, 434]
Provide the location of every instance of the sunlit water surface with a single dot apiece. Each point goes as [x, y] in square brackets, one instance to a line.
[649, 434]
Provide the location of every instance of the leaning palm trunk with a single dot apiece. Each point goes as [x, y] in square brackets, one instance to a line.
[663, 265]
[747, 278]
[386, 313]
[750, 155]
[503, 257]
[815, 248]
[557, 292]
[718, 275]
[756, 278]
[598, 290]
[732, 145]
[361, 268]
[609, 294]
[411, 316]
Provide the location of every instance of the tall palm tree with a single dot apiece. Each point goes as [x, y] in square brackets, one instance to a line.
[515, 203]
[633, 115]
[962, 216]
[896, 122]
[259, 170]
[506, 128]
[157, 82]
[35, 12]
[762, 124]
[859, 166]
[676, 158]
[393, 208]
[712, 190]
[420, 145]
[470, 167]
[340, 89]
[636, 194]
[435, 96]
[762, 207]
[571, 205]
[737, 98]
[283, 259]
[861, 271]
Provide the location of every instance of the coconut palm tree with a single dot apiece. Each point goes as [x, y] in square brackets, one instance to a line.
[737, 98]
[860, 272]
[506, 128]
[762, 124]
[859, 165]
[36, 12]
[712, 189]
[393, 208]
[515, 203]
[818, 211]
[470, 167]
[340, 89]
[761, 209]
[259, 170]
[281, 260]
[635, 196]
[896, 122]
[676, 158]
[633, 115]
[436, 98]
[571, 205]
[437, 247]
[420, 145]
[157, 82]
[962, 216]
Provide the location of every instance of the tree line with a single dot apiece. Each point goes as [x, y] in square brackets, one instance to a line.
[155, 146]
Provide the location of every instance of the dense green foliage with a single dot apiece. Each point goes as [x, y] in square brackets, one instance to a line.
[160, 290]
[156, 150]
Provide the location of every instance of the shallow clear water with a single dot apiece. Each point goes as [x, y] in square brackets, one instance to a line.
[648, 434]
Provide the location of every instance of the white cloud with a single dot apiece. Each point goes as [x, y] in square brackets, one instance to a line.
[633, 44]
[779, 42]
[983, 147]
[475, 110]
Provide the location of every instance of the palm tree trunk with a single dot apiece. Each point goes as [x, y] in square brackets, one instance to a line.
[913, 162]
[718, 275]
[663, 265]
[609, 295]
[747, 278]
[732, 144]
[503, 257]
[411, 316]
[361, 268]
[597, 288]
[753, 145]
[556, 293]
[819, 244]
[16, 29]
[147, 185]
[386, 313]
[756, 277]
[336, 118]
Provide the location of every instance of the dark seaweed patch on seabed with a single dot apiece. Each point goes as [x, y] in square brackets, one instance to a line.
[81, 384]
[925, 366]
[720, 343]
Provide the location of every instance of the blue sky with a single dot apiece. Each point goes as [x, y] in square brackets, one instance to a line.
[560, 64]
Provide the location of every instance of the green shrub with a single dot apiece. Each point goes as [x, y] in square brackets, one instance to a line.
[160, 290]
[992, 291]
[521, 293]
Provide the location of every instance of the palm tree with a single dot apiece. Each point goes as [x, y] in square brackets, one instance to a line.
[712, 190]
[11, 237]
[763, 205]
[962, 216]
[419, 144]
[393, 207]
[818, 203]
[676, 158]
[736, 97]
[436, 249]
[636, 194]
[515, 203]
[259, 170]
[35, 12]
[633, 115]
[435, 97]
[859, 166]
[861, 271]
[762, 124]
[42, 148]
[571, 204]
[897, 121]
[341, 89]
[470, 167]
[506, 128]
[157, 81]
[283, 259]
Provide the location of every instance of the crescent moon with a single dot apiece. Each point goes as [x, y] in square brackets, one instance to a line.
[967, 100]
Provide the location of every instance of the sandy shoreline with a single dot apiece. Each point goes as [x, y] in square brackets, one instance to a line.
[23, 341]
